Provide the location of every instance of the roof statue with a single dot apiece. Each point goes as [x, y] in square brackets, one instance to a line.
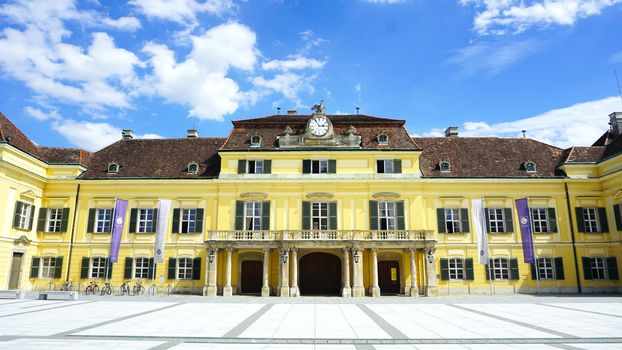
[318, 109]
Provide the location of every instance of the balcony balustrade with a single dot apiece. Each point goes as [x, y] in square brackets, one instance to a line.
[321, 235]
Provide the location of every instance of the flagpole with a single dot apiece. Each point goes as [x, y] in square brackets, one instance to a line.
[533, 246]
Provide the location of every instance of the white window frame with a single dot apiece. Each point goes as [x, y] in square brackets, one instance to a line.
[441, 165]
[184, 269]
[187, 220]
[500, 269]
[143, 223]
[453, 221]
[252, 216]
[97, 270]
[388, 166]
[47, 267]
[116, 168]
[319, 166]
[103, 220]
[528, 165]
[141, 270]
[598, 265]
[54, 219]
[255, 166]
[24, 215]
[591, 221]
[456, 269]
[496, 220]
[540, 219]
[319, 216]
[387, 216]
[255, 144]
[193, 164]
[385, 141]
[545, 268]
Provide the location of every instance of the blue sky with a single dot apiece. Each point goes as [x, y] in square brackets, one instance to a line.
[75, 73]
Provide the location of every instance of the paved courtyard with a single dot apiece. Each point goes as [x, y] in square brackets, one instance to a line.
[388, 323]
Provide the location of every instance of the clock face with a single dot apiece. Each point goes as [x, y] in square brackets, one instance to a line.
[318, 126]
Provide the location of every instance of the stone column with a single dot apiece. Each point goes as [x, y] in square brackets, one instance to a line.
[227, 291]
[375, 289]
[432, 281]
[346, 291]
[293, 291]
[212, 288]
[358, 290]
[265, 289]
[414, 291]
[284, 273]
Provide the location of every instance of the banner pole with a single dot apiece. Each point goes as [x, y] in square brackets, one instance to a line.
[533, 247]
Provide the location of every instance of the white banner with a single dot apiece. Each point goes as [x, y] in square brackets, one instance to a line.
[164, 207]
[479, 222]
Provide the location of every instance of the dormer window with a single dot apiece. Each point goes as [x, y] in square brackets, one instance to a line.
[444, 166]
[113, 168]
[255, 141]
[530, 167]
[193, 168]
[383, 139]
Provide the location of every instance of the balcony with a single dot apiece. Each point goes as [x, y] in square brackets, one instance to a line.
[322, 235]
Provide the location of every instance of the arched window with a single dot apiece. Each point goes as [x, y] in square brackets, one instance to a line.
[383, 139]
[444, 166]
[193, 168]
[255, 141]
[530, 167]
[113, 168]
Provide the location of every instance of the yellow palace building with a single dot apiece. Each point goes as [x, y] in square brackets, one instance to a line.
[291, 204]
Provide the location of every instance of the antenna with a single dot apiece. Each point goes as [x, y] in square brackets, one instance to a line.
[357, 109]
[524, 133]
[618, 81]
[278, 110]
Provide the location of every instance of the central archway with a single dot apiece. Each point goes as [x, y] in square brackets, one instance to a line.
[320, 274]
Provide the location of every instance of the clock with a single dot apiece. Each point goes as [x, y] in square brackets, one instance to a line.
[318, 126]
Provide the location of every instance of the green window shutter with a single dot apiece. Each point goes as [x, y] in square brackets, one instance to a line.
[306, 166]
[239, 215]
[332, 215]
[587, 268]
[58, 269]
[176, 214]
[241, 166]
[488, 268]
[559, 268]
[31, 218]
[509, 220]
[468, 267]
[444, 269]
[109, 269]
[332, 166]
[306, 215]
[514, 275]
[196, 268]
[133, 218]
[18, 209]
[172, 268]
[397, 166]
[464, 217]
[440, 217]
[151, 268]
[552, 220]
[154, 223]
[580, 223]
[602, 217]
[267, 166]
[127, 272]
[618, 215]
[265, 215]
[198, 228]
[34, 267]
[380, 166]
[64, 220]
[532, 267]
[91, 221]
[487, 216]
[84, 268]
[41, 220]
[612, 268]
[373, 215]
[401, 224]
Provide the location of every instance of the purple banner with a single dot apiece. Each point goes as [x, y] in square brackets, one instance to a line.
[118, 221]
[524, 221]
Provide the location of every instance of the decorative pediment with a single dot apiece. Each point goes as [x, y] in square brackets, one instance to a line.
[319, 195]
[22, 241]
[253, 195]
[28, 195]
[387, 195]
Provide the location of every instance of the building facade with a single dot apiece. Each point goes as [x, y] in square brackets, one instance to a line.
[318, 204]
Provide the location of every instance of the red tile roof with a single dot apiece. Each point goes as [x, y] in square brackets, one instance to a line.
[10, 134]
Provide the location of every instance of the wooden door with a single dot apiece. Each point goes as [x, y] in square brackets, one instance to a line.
[320, 274]
[389, 277]
[252, 277]
[16, 270]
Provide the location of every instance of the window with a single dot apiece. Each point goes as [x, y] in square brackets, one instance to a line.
[141, 268]
[184, 269]
[188, 220]
[496, 220]
[255, 141]
[590, 219]
[193, 168]
[252, 216]
[145, 220]
[456, 269]
[386, 216]
[319, 166]
[48, 267]
[599, 269]
[98, 267]
[500, 269]
[444, 166]
[23, 213]
[452, 220]
[103, 220]
[255, 166]
[530, 167]
[54, 220]
[385, 166]
[545, 269]
[113, 168]
[539, 220]
[383, 139]
[319, 216]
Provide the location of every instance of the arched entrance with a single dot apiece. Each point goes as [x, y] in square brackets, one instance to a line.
[320, 274]
[252, 275]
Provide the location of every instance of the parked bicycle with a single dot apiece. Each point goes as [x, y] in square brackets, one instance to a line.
[106, 289]
[67, 286]
[138, 288]
[92, 288]
[125, 288]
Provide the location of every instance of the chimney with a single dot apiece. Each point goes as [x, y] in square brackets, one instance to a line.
[292, 112]
[615, 120]
[127, 134]
[193, 134]
[451, 131]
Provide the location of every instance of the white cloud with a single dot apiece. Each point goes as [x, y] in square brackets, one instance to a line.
[40, 115]
[289, 84]
[357, 87]
[616, 57]
[181, 11]
[500, 17]
[492, 57]
[123, 23]
[578, 125]
[293, 63]
[383, 2]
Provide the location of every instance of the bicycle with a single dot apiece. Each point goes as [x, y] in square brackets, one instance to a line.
[125, 288]
[92, 288]
[138, 288]
[67, 286]
[106, 289]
